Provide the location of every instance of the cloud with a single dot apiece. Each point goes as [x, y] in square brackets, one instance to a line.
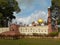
[32, 10]
[29, 6]
[29, 3]
[33, 17]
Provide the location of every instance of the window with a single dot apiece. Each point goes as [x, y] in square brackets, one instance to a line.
[45, 31]
[36, 30]
[41, 31]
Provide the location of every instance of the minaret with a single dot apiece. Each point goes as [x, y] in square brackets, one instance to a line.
[49, 21]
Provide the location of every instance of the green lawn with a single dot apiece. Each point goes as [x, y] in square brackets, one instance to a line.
[30, 42]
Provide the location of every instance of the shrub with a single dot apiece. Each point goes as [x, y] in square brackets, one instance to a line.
[58, 29]
[52, 34]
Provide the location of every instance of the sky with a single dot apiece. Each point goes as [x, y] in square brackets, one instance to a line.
[32, 10]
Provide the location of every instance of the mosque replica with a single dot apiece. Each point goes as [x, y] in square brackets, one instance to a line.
[15, 31]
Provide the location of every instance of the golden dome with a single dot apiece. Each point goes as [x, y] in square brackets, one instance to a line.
[40, 21]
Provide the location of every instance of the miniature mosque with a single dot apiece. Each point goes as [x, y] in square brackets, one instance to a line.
[16, 30]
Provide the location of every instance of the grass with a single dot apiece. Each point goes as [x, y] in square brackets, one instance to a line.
[30, 42]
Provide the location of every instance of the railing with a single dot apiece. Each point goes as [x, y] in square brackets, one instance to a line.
[4, 29]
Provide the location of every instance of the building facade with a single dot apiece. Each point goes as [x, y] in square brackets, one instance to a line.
[32, 29]
[3, 30]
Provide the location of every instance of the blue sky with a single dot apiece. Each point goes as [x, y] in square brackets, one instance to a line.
[32, 8]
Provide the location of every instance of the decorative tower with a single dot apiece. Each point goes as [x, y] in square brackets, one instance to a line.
[49, 20]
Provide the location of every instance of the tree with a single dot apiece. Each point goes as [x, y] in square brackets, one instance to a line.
[7, 7]
[56, 3]
[55, 13]
[56, 6]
